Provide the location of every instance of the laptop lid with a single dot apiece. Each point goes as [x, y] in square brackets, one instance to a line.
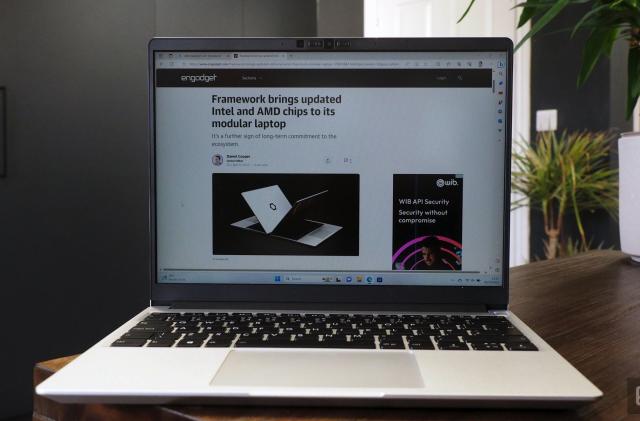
[408, 137]
[269, 205]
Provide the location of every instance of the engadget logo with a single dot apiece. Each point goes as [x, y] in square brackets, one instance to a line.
[199, 78]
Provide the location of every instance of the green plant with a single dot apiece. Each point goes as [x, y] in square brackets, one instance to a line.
[564, 175]
[607, 21]
[572, 247]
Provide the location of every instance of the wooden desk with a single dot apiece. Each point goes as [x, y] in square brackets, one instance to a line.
[586, 307]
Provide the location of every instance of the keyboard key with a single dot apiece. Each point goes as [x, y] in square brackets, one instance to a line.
[161, 343]
[250, 340]
[279, 342]
[187, 329]
[218, 343]
[446, 338]
[250, 343]
[390, 338]
[334, 337]
[185, 323]
[292, 330]
[153, 323]
[453, 346]
[306, 343]
[503, 330]
[362, 337]
[400, 331]
[159, 316]
[338, 344]
[269, 336]
[375, 331]
[218, 317]
[521, 346]
[347, 331]
[137, 335]
[485, 339]
[427, 332]
[392, 345]
[190, 343]
[196, 336]
[516, 339]
[492, 319]
[129, 342]
[150, 329]
[475, 332]
[224, 338]
[363, 344]
[213, 329]
[239, 329]
[167, 336]
[425, 344]
[491, 346]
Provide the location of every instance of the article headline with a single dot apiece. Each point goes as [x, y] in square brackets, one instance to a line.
[240, 109]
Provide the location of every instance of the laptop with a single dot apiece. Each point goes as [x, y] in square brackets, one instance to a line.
[273, 214]
[405, 305]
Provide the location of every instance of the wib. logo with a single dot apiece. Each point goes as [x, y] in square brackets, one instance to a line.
[199, 78]
[451, 182]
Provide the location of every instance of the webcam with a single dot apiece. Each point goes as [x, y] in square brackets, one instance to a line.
[326, 44]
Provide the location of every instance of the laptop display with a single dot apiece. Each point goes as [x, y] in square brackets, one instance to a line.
[330, 167]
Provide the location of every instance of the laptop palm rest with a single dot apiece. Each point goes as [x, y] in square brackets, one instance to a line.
[295, 368]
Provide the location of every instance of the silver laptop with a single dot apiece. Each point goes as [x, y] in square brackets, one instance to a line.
[406, 304]
[273, 214]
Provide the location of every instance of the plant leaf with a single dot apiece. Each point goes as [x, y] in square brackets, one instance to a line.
[599, 42]
[528, 12]
[544, 20]
[466, 11]
[633, 85]
[586, 17]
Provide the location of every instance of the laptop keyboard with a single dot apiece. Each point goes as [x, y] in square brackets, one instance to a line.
[352, 331]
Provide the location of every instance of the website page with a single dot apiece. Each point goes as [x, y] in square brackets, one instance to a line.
[324, 168]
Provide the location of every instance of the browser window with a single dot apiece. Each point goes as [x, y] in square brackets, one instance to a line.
[352, 168]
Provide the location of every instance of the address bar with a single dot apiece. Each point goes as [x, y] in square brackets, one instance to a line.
[289, 64]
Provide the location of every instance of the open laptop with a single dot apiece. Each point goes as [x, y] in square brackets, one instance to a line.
[409, 304]
[273, 214]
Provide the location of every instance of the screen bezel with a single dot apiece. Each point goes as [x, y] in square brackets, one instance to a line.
[314, 296]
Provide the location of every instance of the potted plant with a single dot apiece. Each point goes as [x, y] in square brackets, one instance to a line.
[606, 21]
[566, 175]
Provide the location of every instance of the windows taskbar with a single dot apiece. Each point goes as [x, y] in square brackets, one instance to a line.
[415, 278]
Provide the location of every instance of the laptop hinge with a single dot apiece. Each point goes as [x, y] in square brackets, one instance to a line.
[373, 307]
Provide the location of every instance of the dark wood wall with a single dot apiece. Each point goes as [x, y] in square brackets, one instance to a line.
[73, 208]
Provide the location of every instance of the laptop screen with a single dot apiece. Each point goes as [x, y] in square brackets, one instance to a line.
[328, 167]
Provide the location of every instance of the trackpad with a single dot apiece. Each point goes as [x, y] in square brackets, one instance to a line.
[319, 369]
